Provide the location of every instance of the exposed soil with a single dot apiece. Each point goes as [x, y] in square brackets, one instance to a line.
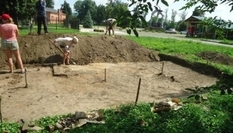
[216, 57]
[38, 49]
[107, 74]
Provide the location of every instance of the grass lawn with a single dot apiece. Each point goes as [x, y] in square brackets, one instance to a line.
[50, 29]
[185, 49]
[213, 115]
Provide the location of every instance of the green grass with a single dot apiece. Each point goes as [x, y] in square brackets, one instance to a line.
[208, 117]
[51, 30]
[223, 41]
[176, 47]
[54, 30]
[185, 49]
[230, 42]
[211, 116]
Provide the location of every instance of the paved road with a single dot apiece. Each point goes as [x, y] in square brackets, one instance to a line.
[161, 35]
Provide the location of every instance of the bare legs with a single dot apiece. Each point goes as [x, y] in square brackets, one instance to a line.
[113, 31]
[9, 54]
[9, 59]
[66, 57]
[106, 30]
[109, 32]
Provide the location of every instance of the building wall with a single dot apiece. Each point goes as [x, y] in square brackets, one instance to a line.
[55, 17]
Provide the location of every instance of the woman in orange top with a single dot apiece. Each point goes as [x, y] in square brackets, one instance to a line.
[9, 33]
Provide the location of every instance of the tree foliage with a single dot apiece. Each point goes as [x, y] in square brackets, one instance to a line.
[82, 7]
[198, 12]
[23, 9]
[181, 25]
[114, 9]
[206, 5]
[65, 7]
[49, 3]
[144, 5]
[100, 14]
[18, 9]
[87, 21]
[183, 15]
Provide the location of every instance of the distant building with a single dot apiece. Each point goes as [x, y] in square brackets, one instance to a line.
[54, 16]
[196, 29]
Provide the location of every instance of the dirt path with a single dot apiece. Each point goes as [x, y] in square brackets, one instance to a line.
[81, 87]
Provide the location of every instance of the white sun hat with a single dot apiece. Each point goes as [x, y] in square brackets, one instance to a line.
[75, 39]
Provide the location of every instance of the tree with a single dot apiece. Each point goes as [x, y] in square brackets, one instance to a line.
[100, 14]
[119, 7]
[198, 12]
[181, 25]
[183, 15]
[87, 21]
[173, 21]
[165, 22]
[18, 9]
[206, 5]
[49, 3]
[115, 8]
[65, 7]
[141, 6]
[82, 7]
[130, 18]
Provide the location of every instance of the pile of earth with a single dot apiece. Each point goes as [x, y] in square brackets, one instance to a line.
[90, 49]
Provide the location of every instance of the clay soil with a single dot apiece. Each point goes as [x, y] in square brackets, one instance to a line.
[106, 74]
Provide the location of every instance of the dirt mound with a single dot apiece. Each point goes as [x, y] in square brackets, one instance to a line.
[90, 49]
[216, 57]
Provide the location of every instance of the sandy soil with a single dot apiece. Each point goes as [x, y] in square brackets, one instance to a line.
[83, 88]
[59, 89]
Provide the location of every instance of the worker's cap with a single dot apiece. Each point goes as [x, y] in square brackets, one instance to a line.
[75, 39]
[5, 17]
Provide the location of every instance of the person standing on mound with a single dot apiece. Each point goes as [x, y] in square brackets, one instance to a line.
[41, 16]
[9, 33]
[110, 26]
[65, 43]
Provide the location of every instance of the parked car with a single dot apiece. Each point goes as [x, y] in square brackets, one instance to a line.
[171, 31]
[183, 32]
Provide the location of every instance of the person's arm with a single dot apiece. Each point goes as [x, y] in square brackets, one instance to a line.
[44, 4]
[39, 4]
[16, 31]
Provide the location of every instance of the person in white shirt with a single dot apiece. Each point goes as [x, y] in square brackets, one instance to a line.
[65, 43]
[110, 25]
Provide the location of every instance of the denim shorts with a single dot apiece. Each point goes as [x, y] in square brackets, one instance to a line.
[7, 44]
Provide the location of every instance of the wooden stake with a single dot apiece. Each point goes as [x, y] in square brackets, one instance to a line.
[26, 82]
[1, 109]
[139, 84]
[162, 67]
[105, 71]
